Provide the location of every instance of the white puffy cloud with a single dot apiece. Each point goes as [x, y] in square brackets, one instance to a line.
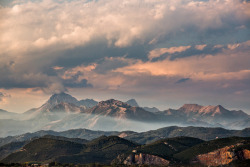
[46, 24]
[36, 35]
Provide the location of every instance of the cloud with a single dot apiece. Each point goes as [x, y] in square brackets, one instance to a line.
[14, 76]
[225, 72]
[3, 97]
[67, 24]
[40, 40]
[57, 68]
[160, 51]
[200, 47]
[228, 64]
[182, 80]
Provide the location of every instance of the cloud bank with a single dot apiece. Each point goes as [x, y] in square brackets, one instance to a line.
[136, 47]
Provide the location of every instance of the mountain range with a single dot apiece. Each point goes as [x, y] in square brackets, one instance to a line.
[63, 112]
[111, 132]
[117, 151]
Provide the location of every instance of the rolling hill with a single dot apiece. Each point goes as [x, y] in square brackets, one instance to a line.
[118, 151]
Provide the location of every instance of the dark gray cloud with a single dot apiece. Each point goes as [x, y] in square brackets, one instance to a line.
[182, 80]
[76, 82]
[16, 76]
[96, 52]
[192, 51]
[72, 84]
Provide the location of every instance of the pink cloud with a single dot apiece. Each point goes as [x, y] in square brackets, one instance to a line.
[160, 51]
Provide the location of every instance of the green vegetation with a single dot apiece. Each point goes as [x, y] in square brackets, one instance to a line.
[44, 149]
[208, 146]
[165, 148]
[103, 150]
[10, 148]
[203, 133]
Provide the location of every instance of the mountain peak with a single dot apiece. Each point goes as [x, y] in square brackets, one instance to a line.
[220, 107]
[112, 102]
[213, 110]
[88, 103]
[62, 97]
[56, 99]
[191, 107]
[132, 102]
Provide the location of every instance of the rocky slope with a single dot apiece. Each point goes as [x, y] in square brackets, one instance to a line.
[214, 115]
[215, 152]
[223, 156]
[144, 159]
[132, 102]
[63, 101]
[67, 108]
[121, 110]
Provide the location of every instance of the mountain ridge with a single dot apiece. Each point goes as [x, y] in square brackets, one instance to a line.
[139, 137]
[121, 110]
[63, 112]
[116, 151]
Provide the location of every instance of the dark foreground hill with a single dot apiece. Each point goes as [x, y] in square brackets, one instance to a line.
[166, 148]
[103, 150]
[186, 151]
[203, 133]
[113, 150]
[44, 150]
[217, 152]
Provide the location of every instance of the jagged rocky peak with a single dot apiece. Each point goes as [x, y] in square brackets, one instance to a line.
[56, 99]
[88, 103]
[212, 109]
[203, 109]
[62, 97]
[132, 102]
[88, 100]
[191, 107]
[113, 102]
[220, 107]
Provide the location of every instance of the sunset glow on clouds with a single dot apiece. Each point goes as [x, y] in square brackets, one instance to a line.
[173, 51]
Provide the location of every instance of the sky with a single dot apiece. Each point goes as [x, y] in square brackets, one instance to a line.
[163, 53]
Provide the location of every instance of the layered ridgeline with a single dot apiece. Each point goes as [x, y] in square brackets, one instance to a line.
[14, 143]
[64, 112]
[114, 150]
